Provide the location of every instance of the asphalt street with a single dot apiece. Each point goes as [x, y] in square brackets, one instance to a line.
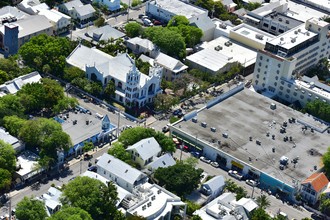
[77, 167]
[276, 204]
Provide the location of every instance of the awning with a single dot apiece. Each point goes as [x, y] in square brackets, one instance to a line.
[236, 164]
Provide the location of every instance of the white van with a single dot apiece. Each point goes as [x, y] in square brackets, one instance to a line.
[99, 116]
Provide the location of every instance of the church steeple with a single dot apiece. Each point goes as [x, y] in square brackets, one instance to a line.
[105, 123]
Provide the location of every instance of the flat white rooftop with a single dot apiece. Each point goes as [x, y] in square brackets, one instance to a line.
[179, 8]
[313, 89]
[235, 52]
[251, 33]
[302, 12]
[161, 202]
[28, 161]
[293, 37]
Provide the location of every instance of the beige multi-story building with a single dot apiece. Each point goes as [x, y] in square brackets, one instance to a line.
[280, 63]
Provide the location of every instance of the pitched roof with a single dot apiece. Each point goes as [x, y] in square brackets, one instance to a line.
[170, 63]
[116, 67]
[215, 183]
[317, 180]
[119, 168]
[105, 33]
[165, 160]
[85, 10]
[147, 148]
[73, 4]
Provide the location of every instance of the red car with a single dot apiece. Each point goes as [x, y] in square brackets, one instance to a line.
[157, 22]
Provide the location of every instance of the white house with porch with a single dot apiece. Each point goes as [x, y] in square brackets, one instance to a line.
[133, 88]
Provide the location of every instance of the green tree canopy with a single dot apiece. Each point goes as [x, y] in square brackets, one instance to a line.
[164, 102]
[178, 20]
[109, 89]
[318, 109]
[180, 179]
[170, 41]
[30, 208]
[47, 135]
[133, 135]
[93, 196]
[133, 29]
[71, 213]
[44, 49]
[5, 179]
[7, 157]
[263, 201]
[260, 214]
[118, 150]
[99, 22]
[72, 72]
[11, 105]
[326, 161]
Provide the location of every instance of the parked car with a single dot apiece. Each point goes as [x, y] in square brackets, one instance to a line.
[204, 159]
[177, 111]
[147, 22]
[165, 129]
[87, 156]
[180, 115]
[251, 182]
[214, 164]
[92, 168]
[235, 174]
[195, 154]
[156, 22]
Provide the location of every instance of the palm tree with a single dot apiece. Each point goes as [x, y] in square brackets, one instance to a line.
[263, 201]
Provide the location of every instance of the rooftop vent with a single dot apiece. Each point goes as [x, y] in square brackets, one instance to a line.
[223, 26]
[194, 120]
[295, 32]
[293, 40]
[287, 22]
[272, 106]
[282, 39]
[204, 124]
[213, 129]
[259, 36]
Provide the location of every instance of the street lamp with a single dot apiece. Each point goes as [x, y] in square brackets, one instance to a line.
[81, 165]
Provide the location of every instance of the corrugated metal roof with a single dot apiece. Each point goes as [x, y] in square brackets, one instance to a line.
[146, 148]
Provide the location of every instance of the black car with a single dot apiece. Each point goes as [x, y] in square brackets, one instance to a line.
[165, 129]
[92, 168]
[180, 114]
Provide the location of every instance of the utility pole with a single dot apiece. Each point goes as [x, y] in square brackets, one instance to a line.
[9, 208]
[81, 165]
[181, 147]
[129, 5]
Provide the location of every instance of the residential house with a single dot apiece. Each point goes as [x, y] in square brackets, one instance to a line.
[82, 14]
[163, 161]
[51, 200]
[122, 193]
[13, 141]
[164, 10]
[17, 32]
[26, 164]
[213, 188]
[32, 7]
[61, 22]
[133, 88]
[230, 5]
[120, 172]
[142, 46]
[144, 151]
[226, 207]
[105, 33]
[112, 5]
[13, 86]
[172, 68]
[312, 187]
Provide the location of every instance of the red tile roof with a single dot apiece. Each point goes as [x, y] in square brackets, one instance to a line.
[317, 180]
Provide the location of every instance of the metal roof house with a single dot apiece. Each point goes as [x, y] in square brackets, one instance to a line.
[213, 187]
[144, 151]
[13, 86]
[120, 172]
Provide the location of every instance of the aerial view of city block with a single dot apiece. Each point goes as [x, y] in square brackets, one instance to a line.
[164, 109]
